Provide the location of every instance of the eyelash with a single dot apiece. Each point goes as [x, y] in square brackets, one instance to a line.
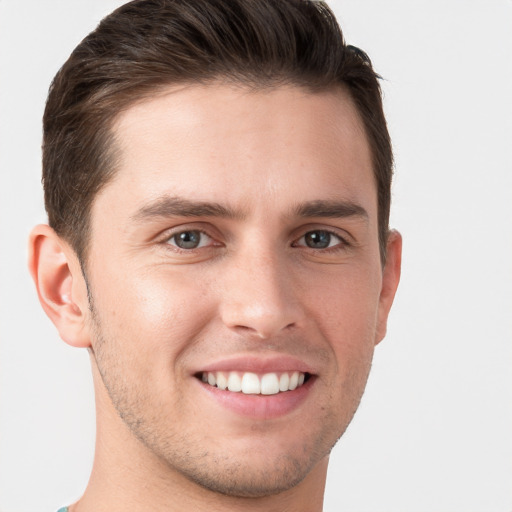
[342, 245]
[202, 233]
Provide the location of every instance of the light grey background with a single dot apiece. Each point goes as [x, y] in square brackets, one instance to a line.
[434, 431]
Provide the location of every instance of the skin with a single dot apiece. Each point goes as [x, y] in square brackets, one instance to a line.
[253, 289]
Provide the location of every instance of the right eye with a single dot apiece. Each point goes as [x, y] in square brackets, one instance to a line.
[190, 239]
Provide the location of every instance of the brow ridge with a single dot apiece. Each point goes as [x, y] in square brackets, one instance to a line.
[169, 206]
[330, 209]
[173, 206]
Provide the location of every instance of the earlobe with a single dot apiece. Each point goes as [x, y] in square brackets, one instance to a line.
[60, 284]
[390, 280]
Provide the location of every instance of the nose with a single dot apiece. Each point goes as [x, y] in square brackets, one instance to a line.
[260, 296]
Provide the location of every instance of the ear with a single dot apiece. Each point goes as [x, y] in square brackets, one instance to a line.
[60, 284]
[390, 280]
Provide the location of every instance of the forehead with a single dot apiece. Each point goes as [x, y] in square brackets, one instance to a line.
[242, 146]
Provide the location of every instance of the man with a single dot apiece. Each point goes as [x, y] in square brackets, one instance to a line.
[217, 181]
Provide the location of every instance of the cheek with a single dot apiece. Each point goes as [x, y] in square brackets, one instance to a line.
[346, 317]
[349, 327]
[346, 304]
[152, 317]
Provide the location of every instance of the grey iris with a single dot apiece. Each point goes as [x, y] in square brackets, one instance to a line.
[318, 239]
[188, 239]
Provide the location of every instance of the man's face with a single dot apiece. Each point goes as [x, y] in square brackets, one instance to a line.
[237, 244]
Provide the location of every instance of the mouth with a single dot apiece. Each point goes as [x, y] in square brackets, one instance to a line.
[250, 383]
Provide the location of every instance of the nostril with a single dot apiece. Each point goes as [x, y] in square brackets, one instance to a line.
[261, 311]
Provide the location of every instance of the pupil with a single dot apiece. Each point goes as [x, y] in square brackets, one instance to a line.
[318, 239]
[187, 239]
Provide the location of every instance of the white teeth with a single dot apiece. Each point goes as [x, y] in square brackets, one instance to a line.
[253, 384]
[284, 382]
[234, 382]
[294, 381]
[269, 384]
[222, 381]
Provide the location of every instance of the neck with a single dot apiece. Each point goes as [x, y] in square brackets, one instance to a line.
[120, 489]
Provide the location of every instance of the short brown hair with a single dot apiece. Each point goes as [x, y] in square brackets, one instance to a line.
[148, 44]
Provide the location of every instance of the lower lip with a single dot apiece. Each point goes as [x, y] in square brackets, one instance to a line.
[261, 406]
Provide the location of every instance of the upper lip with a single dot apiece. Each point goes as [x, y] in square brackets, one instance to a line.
[258, 364]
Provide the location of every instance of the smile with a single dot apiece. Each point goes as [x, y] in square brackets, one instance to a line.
[250, 383]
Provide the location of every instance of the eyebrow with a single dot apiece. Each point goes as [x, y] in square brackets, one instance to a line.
[330, 209]
[168, 206]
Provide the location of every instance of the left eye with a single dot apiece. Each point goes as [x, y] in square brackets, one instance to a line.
[320, 239]
[192, 239]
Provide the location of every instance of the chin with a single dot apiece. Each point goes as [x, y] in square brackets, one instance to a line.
[248, 479]
[248, 468]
